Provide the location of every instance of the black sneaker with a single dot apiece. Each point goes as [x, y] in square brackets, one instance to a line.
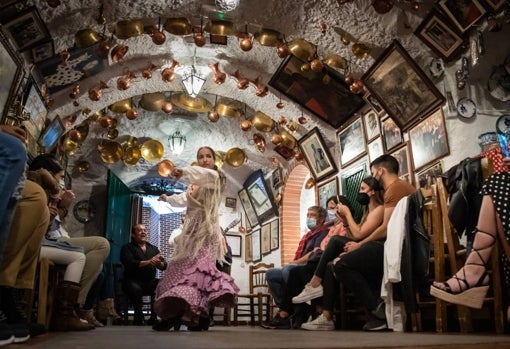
[21, 333]
[278, 322]
[6, 334]
[375, 324]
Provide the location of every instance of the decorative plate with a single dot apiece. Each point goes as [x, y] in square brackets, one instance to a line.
[466, 108]
[84, 211]
[436, 68]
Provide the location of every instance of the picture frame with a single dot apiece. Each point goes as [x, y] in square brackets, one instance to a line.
[429, 140]
[371, 123]
[10, 8]
[230, 202]
[11, 75]
[248, 247]
[462, 13]
[403, 156]
[256, 255]
[375, 149]
[51, 134]
[261, 196]
[251, 216]
[275, 234]
[437, 34]
[494, 5]
[374, 104]
[325, 190]
[427, 176]
[332, 101]
[391, 133]
[35, 106]
[316, 154]
[352, 143]
[235, 243]
[350, 180]
[265, 239]
[400, 85]
[26, 29]
[42, 51]
[284, 152]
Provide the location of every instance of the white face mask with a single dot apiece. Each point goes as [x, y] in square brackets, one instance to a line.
[62, 183]
[331, 215]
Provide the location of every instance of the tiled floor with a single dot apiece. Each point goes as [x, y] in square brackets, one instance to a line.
[246, 337]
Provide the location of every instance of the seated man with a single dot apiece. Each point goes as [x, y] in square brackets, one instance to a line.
[140, 260]
[277, 277]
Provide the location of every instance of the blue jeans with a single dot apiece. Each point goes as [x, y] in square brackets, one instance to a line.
[277, 280]
[13, 158]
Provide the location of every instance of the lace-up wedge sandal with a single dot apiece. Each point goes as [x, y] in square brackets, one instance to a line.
[470, 296]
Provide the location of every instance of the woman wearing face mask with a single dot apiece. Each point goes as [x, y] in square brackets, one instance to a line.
[370, 196]
[192, 283]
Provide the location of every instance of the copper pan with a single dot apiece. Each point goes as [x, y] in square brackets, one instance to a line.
[288, 140]
[110, 151]
[235, 157]
[221, 27]
[302, 49]
[165, 168]
[178, 26]
[129, 28]
[262, 122]
[131, 155]
[229, 108]
[269, 37]
[86, 38]
[121, 107]
[186, 102]
[336, 61]
[153, 101]
[152, 150]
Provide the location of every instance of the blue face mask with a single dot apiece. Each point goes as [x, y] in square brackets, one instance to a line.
[331, 215]
[311, 223]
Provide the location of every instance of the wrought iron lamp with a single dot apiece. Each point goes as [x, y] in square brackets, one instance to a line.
[176, 142]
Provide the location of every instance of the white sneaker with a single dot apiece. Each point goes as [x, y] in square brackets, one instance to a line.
[321, 323]
[308, 294]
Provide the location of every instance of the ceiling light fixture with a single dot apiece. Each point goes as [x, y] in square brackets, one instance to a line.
[176, 142]
[192, 80]
[226, 5]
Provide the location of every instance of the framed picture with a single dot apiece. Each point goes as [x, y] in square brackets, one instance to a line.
[26, 29]
[391, 134]
[261, 196]
[403, 156]
[275, 234]
[402, 88]
[494, 5]
[352, 143]
[50, 136]
[251, 216]
[43, 51]
[374, 104]
[350, 181]
[256, 255]
[265, 239]
[10, 8]
[230, 202]
[248, 247]
[426, 177]
[325, 94]
[11, 74]
[375, 149]
[435, 32]
[317, 155]
[284, 152]
[327, 189]
[235, 243]
[463, 13]
[34, 106]
[371, 122]
[429, 140]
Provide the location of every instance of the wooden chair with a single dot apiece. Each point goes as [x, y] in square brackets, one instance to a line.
[257, 302]
[48, 276]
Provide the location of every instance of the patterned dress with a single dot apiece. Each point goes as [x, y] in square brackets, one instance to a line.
[498, 186]
[191, 285]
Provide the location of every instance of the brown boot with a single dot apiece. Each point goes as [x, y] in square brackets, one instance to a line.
[88, 315]
[106, 309]
[65, 317]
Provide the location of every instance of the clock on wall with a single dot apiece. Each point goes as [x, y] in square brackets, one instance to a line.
[84, 211]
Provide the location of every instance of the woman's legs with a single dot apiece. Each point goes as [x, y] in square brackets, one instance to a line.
[333, 249]
[75, 261]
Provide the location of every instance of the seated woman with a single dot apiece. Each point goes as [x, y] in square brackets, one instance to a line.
[470, 284]
[95, 248]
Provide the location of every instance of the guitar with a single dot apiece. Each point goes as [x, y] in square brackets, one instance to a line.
[230, 226]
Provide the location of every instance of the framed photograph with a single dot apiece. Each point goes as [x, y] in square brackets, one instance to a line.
[375, 149]
[317, 155]
[435, 32]
[426, 177]
[256, 255]
[10, 8]
[403, 156]
[248, 254]
[251, 216]
[235, 243]
[494, 5]
[429, 140]
[327, 189]
[325, 94]
[391, 134]
[50, 136]
[352, 143]
[26, 29]
[35, 106]
[275, 234]
[11, 75]
[284, 152]
[374, 104]
[463, 13]
[230, 202]
[350, 181]
[261, 196]
[265, 239]
[401, 86]
[43, 51]
[371, 122]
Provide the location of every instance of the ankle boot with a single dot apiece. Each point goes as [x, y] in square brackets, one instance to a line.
[65, 317]
[88, 315]
[105, 309]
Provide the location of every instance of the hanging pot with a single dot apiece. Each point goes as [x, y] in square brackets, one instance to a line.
[152, 150]
[110, 151]
[168, 74]
[152, 101]
[235, 157]
[131, 155]
[178, 26]
[165, 168]
[269, 37]
[121, 107]
[262, 122]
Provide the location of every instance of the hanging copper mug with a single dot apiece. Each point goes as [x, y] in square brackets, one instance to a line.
[158, 37]
[147, 72]
[124, 82]
[168, 74]
[242, 82]
[260, 88]
[219, 76]
[95, 93]
[118, 53]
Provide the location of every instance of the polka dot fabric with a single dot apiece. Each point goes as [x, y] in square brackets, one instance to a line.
[498, 186]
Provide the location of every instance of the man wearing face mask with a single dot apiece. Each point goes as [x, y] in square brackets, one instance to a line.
[277, 278]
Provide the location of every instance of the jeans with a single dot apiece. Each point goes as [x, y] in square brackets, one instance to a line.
[277, 280]
[13, 157]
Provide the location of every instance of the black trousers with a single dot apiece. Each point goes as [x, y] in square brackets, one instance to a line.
[333, 249]
[136, 289]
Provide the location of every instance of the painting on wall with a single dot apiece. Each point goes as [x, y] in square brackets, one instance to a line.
[403, 157]
[352, 143]
[317, 155]
[392, 135]
[326, 190]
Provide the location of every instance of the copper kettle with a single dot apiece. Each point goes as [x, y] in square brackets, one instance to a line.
[158, 37]
[147, 72]
[118, 52]
[242, 82]
[168, 74]
[95, 93]
[124, 82]
[260, 88]
[219, 76]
